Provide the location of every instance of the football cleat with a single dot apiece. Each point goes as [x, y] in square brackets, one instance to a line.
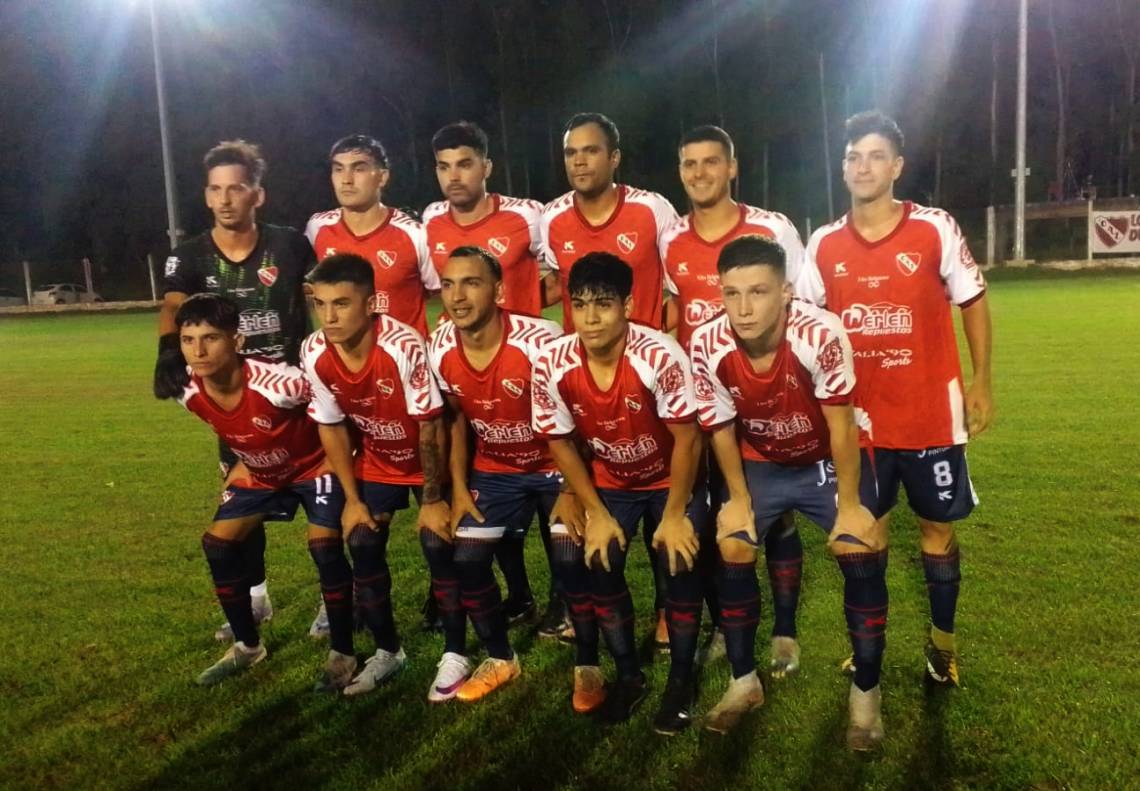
[554, 620]
[520, 613]
[785, 657]
[589, 689]
[941, 666]
[622, 699]
[865, 719]
[378, 668]
[262, 613]
[489, 676]
[338, 672]
[742, 696]
[237, 659]
[674, 715]
[319, 628]
[453, 670]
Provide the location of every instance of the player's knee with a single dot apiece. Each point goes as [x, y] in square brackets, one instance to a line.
[735, 550]
[663, 560]
[937, 537]
[364, 542]
[326, 550]
[614, 553]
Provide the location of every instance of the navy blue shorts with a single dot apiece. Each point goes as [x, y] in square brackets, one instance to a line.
[648, 505]
[321, 497]
[810, 489]
[383, 498]
[509, 501]
[227, 460]
[937, 482]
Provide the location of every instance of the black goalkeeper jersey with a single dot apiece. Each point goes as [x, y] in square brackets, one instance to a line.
[266, 286]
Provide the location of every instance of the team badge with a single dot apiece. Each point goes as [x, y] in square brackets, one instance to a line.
[633, 402]
[627, 241]
[514, 387]
[387, 258]
[499, 244]
[263, 423]
[908, 262]
[171, 265]
[267, 275]
[386, 387]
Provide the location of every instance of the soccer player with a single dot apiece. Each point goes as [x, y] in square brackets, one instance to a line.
[391, 241]
[689, 249]
[258, 409]
[597, 215]
[482, 359]
[774, 378]
[891, 269]
[625, 391]
[259, 266]
[471, 216]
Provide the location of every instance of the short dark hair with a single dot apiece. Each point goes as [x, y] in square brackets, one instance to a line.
[459, 134]
[752, 250]
[344, 268]
[609, 128]
[602, 275]
[711, 134]
[873, 122]
[475, 251]
[369, 145]
[213, 309]
[237, 152]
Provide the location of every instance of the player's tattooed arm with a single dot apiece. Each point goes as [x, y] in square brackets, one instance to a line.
[601, 528]
[458, 459]
[978, 329]
[434, 513]
[736, 514]
[852, 519]
[675, 534]
[338, 450]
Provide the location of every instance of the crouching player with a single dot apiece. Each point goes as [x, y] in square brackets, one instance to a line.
[778, 374]
[482, 359]
[257, 408]
[373, 371]
[627, 392]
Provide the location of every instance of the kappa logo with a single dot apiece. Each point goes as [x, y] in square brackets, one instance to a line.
[440, 247]
[329, 251]
[627, 241]
[633, 402]
[683, 268]
[841, 269]
[577, 410]
[211, 281]
[262, 422]
[334, 388]
[386, 387]
[568, 247]
[514, 387]
[267, 275]
[908, 262]
[387, 258]
[171, 265]
[499, 244]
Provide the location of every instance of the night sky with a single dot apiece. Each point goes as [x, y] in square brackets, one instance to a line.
[81, 173]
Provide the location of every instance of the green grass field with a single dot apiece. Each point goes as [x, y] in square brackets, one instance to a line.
[108, 610]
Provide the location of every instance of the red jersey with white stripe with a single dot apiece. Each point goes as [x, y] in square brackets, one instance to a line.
[268, 429]
[510, 232]
[632, 233]
[385, 400]
[778, 412]
[496, 400]
[398, 253]
[690, 263]
[625, 425]
[894, 298]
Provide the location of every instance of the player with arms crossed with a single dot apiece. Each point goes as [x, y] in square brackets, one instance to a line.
[482, 359]
[259, 266]
[891, 270]
[774, 378]
[689, 248]
[391, 241]
[625, 391]
[258, 409]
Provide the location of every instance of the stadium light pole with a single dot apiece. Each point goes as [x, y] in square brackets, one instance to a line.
[164, 132]
[1019, 175]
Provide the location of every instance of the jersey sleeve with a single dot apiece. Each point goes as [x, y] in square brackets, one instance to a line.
[715, 406]
[428, 276]
[305, 252]
[789, 238]
[958, 270]
[664, 215]
[435, 355]
[181, 274]
[673, 385]
[833, 369]
[421, 394]
[546, 258]
[808, 286]
[550, 417]
[664, 241]
[323, 406]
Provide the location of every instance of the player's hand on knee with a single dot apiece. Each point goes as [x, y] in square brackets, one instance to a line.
[736, 516]
[170, 374]
[463, 505]
[436, 517]
[601, 529]
[860, 524]
[677, 538]
[568, 511]
[355, 514]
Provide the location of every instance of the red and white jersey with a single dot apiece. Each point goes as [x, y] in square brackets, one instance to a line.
[268, 429]
[778, 413]
[385, 400]
[496, 400]
[894, 298]
[625, 425]
[398, 253]
[510, 232]
[632, 233]
[690, 263]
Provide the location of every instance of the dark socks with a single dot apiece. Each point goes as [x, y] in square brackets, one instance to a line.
[336, 589]
[231, 585]
[445, 588]
[739, 614]
[613, 609]
[784, 554]
[253, 552]
[373, 584]
[479, 593]
[943, 576]
[510, 553]
[865, 604]
[570, 561]
[683, 606]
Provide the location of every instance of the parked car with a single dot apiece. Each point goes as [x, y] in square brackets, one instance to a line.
[10, 299]
[63, 294]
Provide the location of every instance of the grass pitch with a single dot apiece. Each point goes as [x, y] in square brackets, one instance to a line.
[108, 611]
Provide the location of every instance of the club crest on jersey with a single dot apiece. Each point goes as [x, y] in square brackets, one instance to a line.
[908, 262]
[267, 275]
[386, 387]
[627, 241]
[633, 402]
[263, 423]
[387, 258]
[514, 387]
[499, 244]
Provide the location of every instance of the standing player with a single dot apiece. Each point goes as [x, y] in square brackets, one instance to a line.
[391, 241]
[774, 378]
[625, 390]
[258, 409]
[482, 359]
[891, 270]
[259, 266]
[471, 216]
[689, 250]
[598, 215]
